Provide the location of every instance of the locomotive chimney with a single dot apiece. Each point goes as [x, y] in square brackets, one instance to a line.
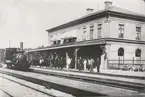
[21, 45]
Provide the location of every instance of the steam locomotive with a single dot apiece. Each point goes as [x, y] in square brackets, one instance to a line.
[16, 58]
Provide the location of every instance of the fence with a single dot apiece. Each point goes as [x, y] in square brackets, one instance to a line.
[135, 65]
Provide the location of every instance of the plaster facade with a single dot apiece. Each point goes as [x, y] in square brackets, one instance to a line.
[110, 29]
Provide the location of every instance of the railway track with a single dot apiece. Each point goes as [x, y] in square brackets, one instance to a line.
[25, 85]
[15, 83]
[49, 85]
[103, 81]
[76, 91]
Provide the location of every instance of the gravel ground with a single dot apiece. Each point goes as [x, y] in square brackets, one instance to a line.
[11, 85]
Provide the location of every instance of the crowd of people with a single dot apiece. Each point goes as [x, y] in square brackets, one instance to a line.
[62, 61]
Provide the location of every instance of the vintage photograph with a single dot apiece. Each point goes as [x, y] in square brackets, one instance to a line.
[72, 48]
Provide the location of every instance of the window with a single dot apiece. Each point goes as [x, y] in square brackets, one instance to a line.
[84, 32]
[121, 30]
[99, 30]
[91, 31]
[84, 29]
[120, 52]
[69, 40]
[58, 41]
[54, 42]
[138, 33]
[138, 53]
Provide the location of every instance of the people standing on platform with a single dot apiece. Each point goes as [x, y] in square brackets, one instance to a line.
[79, 63]
[85, 64]
[68, 61]
[61, 62]
[91, 62]
[41, 62]
[98, 64]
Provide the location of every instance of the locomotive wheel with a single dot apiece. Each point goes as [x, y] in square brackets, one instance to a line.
[9, 66]
[22, 66]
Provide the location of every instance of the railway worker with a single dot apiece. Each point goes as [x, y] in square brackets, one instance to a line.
[45, 62]
[58, 61]
[52, 60]
[85, 63]
[98, 64]
[81, 63]
[63, 62]
[91, 62]
[68, 61]
[40, 62]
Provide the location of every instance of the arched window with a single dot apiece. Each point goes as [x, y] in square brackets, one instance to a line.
[120, 52]
[138, 53]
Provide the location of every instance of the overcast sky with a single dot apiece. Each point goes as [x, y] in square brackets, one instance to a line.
[27, 20]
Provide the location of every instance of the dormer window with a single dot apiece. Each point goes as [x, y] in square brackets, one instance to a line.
[121, 30]
[138, 33]
[69, 40]
[58, 41]
[54, 42]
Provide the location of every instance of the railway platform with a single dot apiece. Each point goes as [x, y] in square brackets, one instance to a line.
[125, 73]
[137, 77]
[111, 72]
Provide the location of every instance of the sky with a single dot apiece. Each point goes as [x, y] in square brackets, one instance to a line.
[27, 20]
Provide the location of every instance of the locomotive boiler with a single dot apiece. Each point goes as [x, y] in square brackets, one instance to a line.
[16, 58]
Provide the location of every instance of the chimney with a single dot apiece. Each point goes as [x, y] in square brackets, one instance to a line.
[108, 4]
[21, 45]
[89, 10]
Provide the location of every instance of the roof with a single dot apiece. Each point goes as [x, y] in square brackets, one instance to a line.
[124, 11]
[114, 11]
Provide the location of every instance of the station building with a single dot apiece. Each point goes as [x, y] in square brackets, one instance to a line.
[119, 33]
